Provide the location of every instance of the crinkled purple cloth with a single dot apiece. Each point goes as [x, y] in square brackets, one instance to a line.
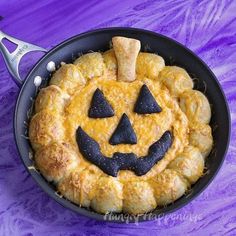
[207, 27]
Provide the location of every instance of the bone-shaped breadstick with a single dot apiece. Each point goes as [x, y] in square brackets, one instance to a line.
[126, 51]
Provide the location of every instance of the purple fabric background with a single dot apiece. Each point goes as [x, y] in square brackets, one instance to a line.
[207, 27]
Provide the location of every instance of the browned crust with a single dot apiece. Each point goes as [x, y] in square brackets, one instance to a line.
[126, 50]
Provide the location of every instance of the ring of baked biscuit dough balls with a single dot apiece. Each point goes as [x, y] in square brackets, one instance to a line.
[176, 79]
[56, 160]
[45, 127]
[108, 195]
[51, 98]
[91, 65]
[190, 164]
[149, 65]
[68, 78]
[79, 185]
[138, 197]
[196, 106]
[84, 183]
[168, 186]
[200, 136]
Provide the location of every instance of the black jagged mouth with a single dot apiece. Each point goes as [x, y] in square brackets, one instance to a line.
[91, 151]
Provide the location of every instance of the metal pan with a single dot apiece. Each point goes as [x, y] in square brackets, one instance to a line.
[98, 40]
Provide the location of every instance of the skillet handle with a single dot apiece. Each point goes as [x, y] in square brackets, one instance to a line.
[13, 59]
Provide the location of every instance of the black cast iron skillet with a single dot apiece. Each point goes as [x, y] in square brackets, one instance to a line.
[98, 40]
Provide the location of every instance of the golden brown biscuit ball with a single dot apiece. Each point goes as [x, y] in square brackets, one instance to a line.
[107, 195]
[45, 127]
[56, 160]
[138, 197]
[88, 179]
[68, 78]
[70, 186]
[168, 186]
[51, 98]
[189, 164]
[196, 106]
[91, 65]
[110, 60]
[176, 79]
[201, 137]
[149, 65]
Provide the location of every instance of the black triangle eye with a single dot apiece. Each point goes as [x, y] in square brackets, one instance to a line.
[146, 103]
[100, 107]
[124, 132]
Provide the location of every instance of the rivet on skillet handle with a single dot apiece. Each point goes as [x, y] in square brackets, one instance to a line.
[13, 59]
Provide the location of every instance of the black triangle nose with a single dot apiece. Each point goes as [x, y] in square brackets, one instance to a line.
[124, 132]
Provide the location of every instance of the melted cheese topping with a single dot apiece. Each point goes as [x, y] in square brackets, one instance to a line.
[148, 128]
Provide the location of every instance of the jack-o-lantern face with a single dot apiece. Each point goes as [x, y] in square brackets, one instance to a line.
[123, 134]
[121, 119]
[120, 130]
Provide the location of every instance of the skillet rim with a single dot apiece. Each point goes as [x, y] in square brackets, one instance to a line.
[45, 186]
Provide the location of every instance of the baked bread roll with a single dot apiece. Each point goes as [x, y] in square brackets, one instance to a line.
[138, 197]
[201, 137]
[51, 98]
[168, 186]
[189, 164]
[176, 79]
[107, 195]
[149, 65]
[91, 65]
[45, 127]
[56, 160]
[110, 61]
[68, 78]
[196, 106]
